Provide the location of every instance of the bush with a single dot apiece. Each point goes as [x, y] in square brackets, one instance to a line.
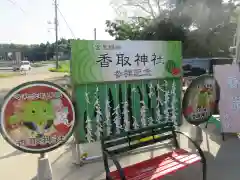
[58, 70]
[63, 67]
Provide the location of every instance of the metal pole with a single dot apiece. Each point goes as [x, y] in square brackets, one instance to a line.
[56, 32]
[44, 171]
[196, 135]
[95, 34]
[237, 45]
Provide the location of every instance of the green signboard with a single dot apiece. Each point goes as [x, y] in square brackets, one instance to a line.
[107, 61]
[125, 85]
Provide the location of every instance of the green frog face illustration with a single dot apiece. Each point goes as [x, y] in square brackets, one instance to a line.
[203, 98]
[37, 116]
[38, 111]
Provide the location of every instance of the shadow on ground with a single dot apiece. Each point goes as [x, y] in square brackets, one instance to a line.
[65, 170]
[213, 133]
[226, 163]
[223, 160]
[15, 153]
[63, 160]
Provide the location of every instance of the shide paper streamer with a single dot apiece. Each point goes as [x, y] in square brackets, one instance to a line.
[118, 108]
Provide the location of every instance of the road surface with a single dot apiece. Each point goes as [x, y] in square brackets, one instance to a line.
[34, 70]
[39, 73]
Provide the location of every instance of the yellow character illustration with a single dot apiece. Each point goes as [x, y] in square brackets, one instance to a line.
[204, 98]
[37, 116]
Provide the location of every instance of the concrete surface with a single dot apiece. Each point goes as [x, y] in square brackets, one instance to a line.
[222, 157]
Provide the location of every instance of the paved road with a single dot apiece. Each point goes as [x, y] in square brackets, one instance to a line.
[39, 73]
[34, 70]
[43, 69]
[5, 69]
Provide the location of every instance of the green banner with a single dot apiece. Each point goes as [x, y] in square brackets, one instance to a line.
[125, 85]
[107, 61]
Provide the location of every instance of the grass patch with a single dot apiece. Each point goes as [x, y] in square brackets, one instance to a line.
[7, 75]
[64, 67]
[58, 70]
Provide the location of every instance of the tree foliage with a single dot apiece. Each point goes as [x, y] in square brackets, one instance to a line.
[204, 27]
[123, 30]
[37, 52]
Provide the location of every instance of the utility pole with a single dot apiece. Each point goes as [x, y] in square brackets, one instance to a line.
[235, 48]
[56, 32]
[237, 45]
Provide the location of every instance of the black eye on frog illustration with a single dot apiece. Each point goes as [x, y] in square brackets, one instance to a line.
[30, 125]
[33, 111]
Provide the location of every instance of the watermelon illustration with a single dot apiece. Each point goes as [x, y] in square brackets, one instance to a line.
[172, 68]
[188, 110]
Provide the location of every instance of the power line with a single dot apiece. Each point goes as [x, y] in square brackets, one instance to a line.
[15, 4]
[66, 22]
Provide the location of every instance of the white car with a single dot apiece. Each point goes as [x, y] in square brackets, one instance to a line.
[25, 66]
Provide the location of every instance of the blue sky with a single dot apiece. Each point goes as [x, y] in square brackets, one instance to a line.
[31, 26]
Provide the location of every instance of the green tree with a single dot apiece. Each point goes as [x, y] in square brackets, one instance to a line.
[123, 30]
[204, 27]
[37, 52]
